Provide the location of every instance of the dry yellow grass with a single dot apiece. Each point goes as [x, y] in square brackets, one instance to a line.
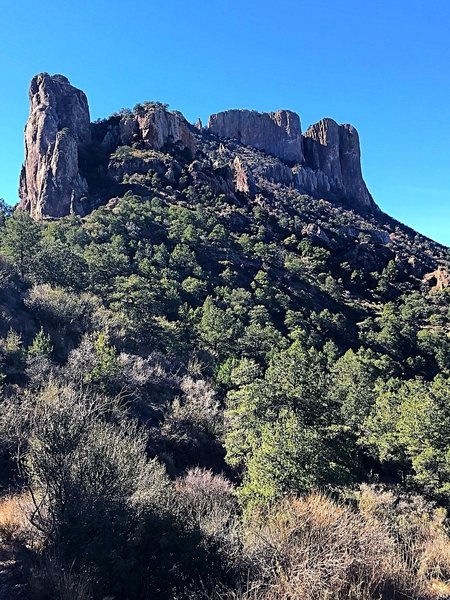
[14, 523]
[316, 549]
[421, 535]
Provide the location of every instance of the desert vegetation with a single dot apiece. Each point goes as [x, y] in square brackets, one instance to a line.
[201, 399]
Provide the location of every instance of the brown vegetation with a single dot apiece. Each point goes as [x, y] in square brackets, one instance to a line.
[315, 548]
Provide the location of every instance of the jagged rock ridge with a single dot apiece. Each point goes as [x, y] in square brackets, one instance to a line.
[63, 173]
[327, 156]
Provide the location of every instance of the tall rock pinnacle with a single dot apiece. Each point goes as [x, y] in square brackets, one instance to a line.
[58, 126]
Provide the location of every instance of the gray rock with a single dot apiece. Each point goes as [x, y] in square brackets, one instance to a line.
[58, 126]
[326, 160]
[316, 234]
[380, 237]
[332, 152]
[157, 127]
[277, 133]
[219, 179]
[276, 172]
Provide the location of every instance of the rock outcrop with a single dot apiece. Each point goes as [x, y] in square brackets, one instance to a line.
[153, 127]
[57, 127]
[72, 165]
[326, 158]
[332, 153]
[438, 280]
[278, 133]
[243, 178]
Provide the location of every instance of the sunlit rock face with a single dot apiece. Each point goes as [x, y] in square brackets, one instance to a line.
[277, 133]
[58, 126]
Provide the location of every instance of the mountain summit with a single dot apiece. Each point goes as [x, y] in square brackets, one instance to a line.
[73, 166]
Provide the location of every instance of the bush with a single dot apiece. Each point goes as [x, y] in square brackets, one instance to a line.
[210, 502]
[196, 412]
[312, 547]
[58, 306]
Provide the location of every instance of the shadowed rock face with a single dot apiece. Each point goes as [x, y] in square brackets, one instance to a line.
[332, 152]
[57, 127]
[277, 133]
[327, 156]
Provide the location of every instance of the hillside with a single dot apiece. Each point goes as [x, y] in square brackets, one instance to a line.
[201, 328]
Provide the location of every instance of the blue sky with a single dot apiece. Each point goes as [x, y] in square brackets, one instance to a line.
[382, 66]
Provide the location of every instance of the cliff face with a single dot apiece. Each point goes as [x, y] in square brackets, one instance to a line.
[151, 126]
[333, 153]
[327, 156]
[57, 127]
[277, 133]
[72, 165]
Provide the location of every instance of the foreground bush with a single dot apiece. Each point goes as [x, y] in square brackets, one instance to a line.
[314, 548]
[106, 514]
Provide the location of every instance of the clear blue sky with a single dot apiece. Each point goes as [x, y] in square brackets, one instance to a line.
[383, 66]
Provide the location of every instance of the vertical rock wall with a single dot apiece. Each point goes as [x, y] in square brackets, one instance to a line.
[58, 126]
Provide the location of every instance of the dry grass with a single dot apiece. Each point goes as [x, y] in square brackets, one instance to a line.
[315, 549]
[14, 522]
[420, 532]
[52, 580]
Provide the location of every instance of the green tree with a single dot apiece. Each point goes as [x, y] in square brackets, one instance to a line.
[288, 458]
[218, 328]
[289, 402]
[20, 241]
[41, 345]
[106, 368]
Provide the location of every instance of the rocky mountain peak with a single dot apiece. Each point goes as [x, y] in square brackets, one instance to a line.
[72, 165]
